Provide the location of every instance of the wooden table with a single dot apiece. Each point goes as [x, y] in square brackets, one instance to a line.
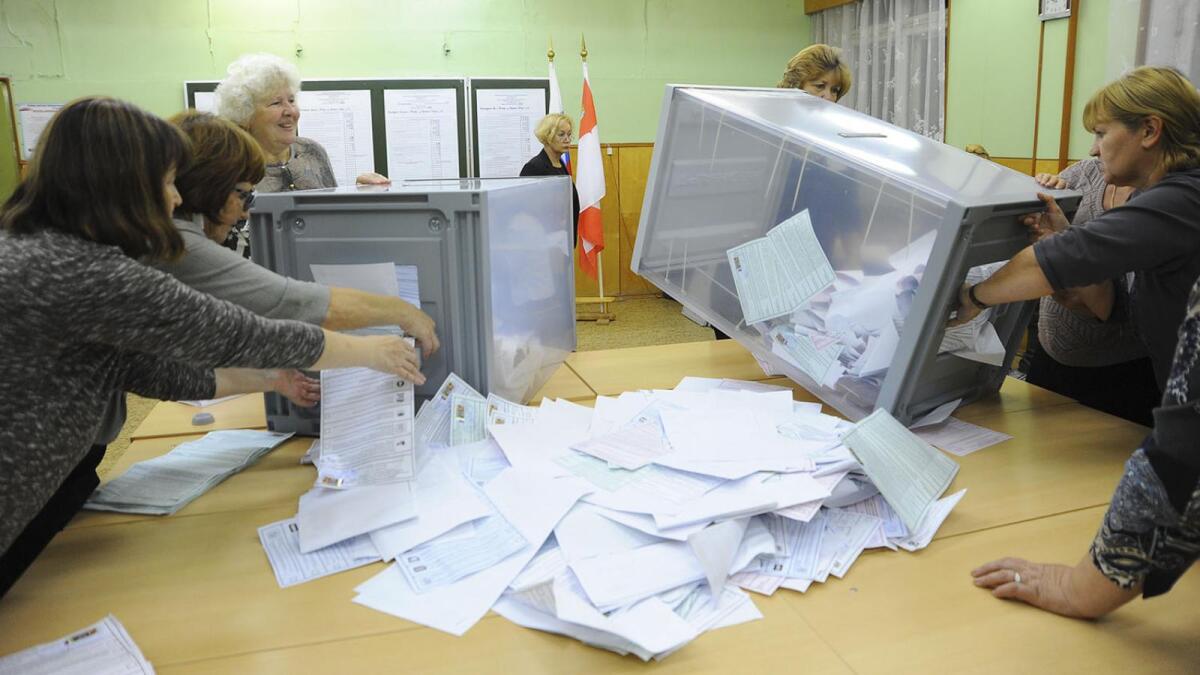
[198, 596]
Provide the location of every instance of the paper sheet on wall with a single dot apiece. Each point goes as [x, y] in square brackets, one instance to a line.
[205, 101]
[340, 121]
[422, 133]
[505, 120]
[34, 117]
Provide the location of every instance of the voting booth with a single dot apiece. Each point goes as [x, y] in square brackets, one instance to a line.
[489, 260]
[832, 245]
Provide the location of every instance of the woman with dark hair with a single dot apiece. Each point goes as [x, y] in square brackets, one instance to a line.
[85, 319]
[217, 189]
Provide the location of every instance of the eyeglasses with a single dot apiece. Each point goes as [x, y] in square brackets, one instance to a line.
[247, 197]
[289, 181]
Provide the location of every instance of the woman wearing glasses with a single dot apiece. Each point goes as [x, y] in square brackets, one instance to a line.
[554, 132]
[217, 189]
[85, 319]
[259, 95]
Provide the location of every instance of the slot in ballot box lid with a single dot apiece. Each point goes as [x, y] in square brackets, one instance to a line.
[832, 244]
[493, 264]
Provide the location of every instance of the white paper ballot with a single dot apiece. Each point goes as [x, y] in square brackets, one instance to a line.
[928, 527]
[799, 350]
[465, 550]
[444, 500]
[776, 274]
[506, 119]
[103, 648]
[341, 122]
[910, 473]
[468, 419]
[715, 547]
[529, 500]
[366, 428]
[328, 516]
[960, 438]
[422, 133]
[378, 278]
[281, 541]
[503, 411]
[433, 420]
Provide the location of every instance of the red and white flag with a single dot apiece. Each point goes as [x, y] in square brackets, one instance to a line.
[589, 182]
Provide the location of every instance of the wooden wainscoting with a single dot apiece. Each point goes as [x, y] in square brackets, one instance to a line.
[626, 167]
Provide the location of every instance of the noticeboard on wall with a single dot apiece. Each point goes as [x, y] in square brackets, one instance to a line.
[403, 128]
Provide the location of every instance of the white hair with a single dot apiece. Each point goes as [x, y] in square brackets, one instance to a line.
[251, 80]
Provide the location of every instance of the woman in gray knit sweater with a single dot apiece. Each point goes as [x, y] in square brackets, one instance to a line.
[84, 318]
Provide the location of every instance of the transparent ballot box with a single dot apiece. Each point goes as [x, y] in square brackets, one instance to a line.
[832, 245]
[488, 259]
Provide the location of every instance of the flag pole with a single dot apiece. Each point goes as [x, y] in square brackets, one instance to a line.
[583, 53]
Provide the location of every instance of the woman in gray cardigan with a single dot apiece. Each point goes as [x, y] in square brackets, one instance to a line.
[84, 318]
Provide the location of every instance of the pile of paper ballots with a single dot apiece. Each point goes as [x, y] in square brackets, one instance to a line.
[165, 484]
[103, 648]
[634, 526]
[841, 328]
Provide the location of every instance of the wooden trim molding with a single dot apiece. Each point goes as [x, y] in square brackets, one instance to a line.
[1064, 133]
[814, 6]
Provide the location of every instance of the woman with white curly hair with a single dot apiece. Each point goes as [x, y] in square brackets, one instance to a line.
[259, 94]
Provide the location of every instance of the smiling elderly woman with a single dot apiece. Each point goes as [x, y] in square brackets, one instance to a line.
[259, 94]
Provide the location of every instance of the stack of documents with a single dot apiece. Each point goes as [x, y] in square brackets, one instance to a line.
[103, 648]
[841, 328]
[163, 485]
[635, 525]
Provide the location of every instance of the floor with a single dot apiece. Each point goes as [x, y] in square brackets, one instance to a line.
[639, 322]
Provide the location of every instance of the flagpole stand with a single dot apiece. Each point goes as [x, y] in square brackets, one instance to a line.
[603, 317]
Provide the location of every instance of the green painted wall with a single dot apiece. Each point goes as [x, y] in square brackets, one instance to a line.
[992, 79]
[143, 50]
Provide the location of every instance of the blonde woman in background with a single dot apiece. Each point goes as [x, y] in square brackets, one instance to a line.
[554, 132]
[818, 70]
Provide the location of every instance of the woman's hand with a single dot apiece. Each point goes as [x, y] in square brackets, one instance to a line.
[1051, 181]
[966, 309]
[1044, 586]
[297, 387]
[1080, 592]
[372, 178]
[419, 325]
[391, 354]
[1047, 221]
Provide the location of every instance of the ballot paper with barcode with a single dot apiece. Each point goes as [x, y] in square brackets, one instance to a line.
[281, 542]
[910, 473]
[434, 418]
[103, 648]
[165, 484]
[366, 428]
[777, 273]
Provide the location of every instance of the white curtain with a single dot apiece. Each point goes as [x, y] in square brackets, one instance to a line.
[896, 50]
[1168, 36]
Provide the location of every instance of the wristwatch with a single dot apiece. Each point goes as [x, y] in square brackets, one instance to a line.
[975, 299]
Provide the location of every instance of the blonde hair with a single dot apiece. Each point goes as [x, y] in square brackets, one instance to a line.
[811, 63]
[1159, 91]
[977, 149]
[251, 80]
[548, 126]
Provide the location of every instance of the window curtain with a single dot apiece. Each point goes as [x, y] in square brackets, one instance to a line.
[1168, 36]
[896, 50]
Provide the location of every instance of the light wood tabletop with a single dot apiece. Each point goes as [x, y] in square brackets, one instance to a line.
[197, 594]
